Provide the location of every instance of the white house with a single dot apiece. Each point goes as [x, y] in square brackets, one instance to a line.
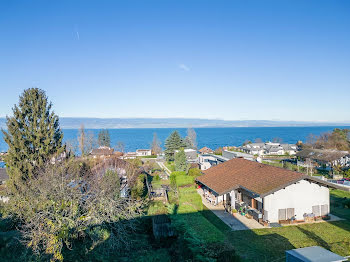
[233, 154]
[268, 193]
[206, 161]
[143, 152]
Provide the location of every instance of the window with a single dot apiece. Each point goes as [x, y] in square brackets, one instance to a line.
[316, 210]
[290, 213]
[282, 214]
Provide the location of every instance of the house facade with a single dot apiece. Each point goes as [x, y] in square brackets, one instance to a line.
[143, 152]
[270, 194]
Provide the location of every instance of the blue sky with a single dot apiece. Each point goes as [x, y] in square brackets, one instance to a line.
[234, 60]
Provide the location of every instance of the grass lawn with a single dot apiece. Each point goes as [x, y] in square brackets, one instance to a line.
[184, 180]
[159, 183]
[271, 243]
[156, 208]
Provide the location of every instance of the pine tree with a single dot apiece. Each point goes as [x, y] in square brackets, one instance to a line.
[33, 135]
[180, 161]
[104, 139]
[172, 143]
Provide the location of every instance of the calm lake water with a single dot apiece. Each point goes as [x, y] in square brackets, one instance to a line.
[211, 137]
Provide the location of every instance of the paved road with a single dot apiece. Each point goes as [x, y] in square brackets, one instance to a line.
[161, 164]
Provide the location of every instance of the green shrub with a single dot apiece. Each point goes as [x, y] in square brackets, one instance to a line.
[156, 178]
[139, 190]
[173, 181]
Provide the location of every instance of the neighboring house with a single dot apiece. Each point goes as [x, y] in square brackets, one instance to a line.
[313, 254]
[191, 154]
[205, 150]
[3, 176]
[102, 152]
[269, 193]
[269, 148]
[206, 161]
[323, 158]
[143, 152]
[234, 154]
[253, 148]
[129, 155]
[123, 169]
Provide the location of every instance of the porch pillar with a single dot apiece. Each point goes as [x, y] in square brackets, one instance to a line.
[233, 199]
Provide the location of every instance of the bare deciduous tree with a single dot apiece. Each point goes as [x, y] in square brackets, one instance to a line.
[192, 137]
[155, 146]
[120, 146]
[86, 140]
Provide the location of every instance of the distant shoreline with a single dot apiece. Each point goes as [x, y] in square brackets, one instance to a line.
[132, 123]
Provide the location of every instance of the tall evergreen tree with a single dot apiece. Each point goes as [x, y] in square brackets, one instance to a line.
[33, 135]
[104, 139]
[172, 143]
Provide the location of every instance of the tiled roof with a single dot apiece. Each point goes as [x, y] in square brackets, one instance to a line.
[255, 177]
[102, 151]
[205, 150]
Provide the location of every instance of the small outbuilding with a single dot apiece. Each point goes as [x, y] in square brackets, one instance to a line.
[313, 254]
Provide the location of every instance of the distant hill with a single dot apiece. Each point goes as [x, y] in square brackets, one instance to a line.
[96, 123]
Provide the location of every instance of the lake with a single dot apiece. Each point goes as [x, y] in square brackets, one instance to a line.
[135, 138]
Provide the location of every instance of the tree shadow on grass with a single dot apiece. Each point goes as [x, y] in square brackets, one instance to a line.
[199, 236]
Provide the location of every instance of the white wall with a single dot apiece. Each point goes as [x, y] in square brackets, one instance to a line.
[300, 196]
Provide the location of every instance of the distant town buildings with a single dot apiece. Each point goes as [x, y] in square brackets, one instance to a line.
[323, 158]
[269, 148]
